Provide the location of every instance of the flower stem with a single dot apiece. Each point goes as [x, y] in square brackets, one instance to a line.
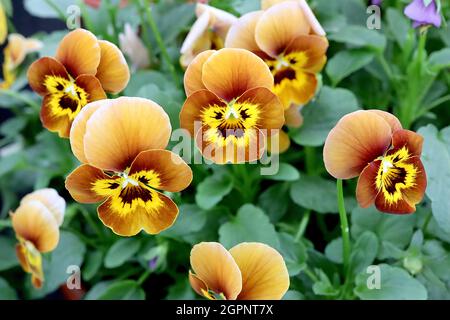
[60, 13]
[162, 47]
[302, 225]
[344, 228]
[112, 17]
[5, 223]
[144, 276]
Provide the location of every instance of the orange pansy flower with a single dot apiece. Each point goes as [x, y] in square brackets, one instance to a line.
[292, 43]
[230, 104]
[208, 32]
[121, 144]
[373, 145]
[82, 70]
[249, 271]
[36, 224]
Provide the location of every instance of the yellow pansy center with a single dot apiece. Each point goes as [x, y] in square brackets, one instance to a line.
[31, 260]
[128, 192]
[66, 98]
[287, 67]
[396, 174]
[211, 295]
[234, 123]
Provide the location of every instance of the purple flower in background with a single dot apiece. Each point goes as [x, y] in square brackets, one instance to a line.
[152, 263]
[376, 2]
[423, 15]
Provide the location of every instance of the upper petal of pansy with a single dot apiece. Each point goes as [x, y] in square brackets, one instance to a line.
[215, 266]
[193, 75]
[116, 133]
[133, 210]
[33, 222]
[169, 170]
[313, 48]
[270, 110]
[392, 120]
[264, 272]
[316, 27]
[402, 183]
[40, 69]
[194, 107]
[113, 71]
[84, 183]
[410, 140]
[220, 19]
[79, 51]
[230, 72]
[78, 128]
[242, 32]
[197, 31]
[51, 199]
[357, 139]
[279, 25]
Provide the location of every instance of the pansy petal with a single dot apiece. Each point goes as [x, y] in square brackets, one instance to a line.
[41, 68]
[392, 120]
[173, 173]
[299, 90]
[313, 47]
[264, 272]
[51, 199]
[193, 75]
[196, 32]
[33, 222]
[293, 117]
[408, 139]
[193, 107]
[197, 284]
[357, 139]
[266, 4]
[230, 72]
[215, 266]
[79, 51]
[278, 143]
[366, 190]
[130, 223]
[31, 261]
[116, 133]
[78, 128]
[242, 32]
[52, 120]
[316, 28]
[80, 183]
[271, 111]
[415, 194]
[113, 71]
[92, 86]
[279, 25]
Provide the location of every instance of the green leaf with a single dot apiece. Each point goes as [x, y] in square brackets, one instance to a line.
[97, 290]
[344, 63]
[191, 219]
[275, 201]
[364, 252]
[123, 290]
[92, 264]
[439, 60]
[398, 25]
[293, 295]
[436, 160]
[324, 287]
[394, 229]
[333, 250]
[294, 253]
[6, 292]
[8, 257]
[286, 172]
[242, 228]
[121, 251]
[181, 290]
[321, 115]
[395, 284]
[315, 193]
[70, 252]
[42, 8]
[212, 190]
[359, 36]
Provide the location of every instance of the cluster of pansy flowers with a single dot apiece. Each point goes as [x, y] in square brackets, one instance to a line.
[238, 97]
[36, 223]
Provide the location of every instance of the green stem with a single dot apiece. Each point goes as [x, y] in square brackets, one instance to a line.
[60, 13]
[310, 160]
[162, 47]
[5, 223]
[144, 276]
[91, 222]
[302, 225]
[344, 229]
[385, 65]
[18, 96]
[427, 222]
[112, 16]
[311, 275]
[85, 15]
[437, 102]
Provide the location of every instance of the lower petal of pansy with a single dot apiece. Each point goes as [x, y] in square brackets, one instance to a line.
[161, 169]
[415, 194]
[294, 87]
[87, 184]
[135, 208]
[278, 143]
[52, 118]
[40, 69]
[31, 261]
[264, 272]
[366, 190]
[215, 266]
[197, 284]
